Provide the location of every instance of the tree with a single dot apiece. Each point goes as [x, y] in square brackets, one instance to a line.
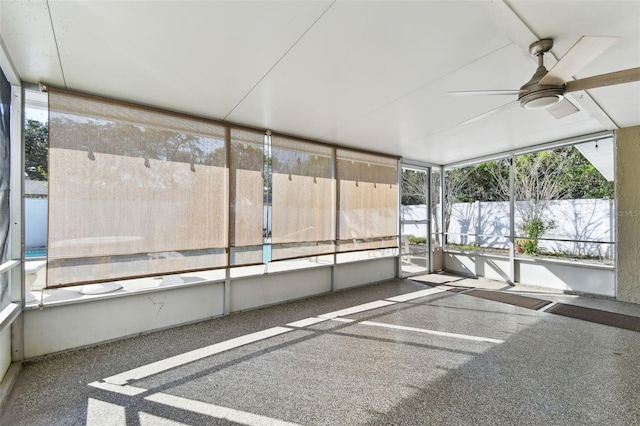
[36, 145]
[590, 182]
[539, 178]
[456, 190]
[413, 187]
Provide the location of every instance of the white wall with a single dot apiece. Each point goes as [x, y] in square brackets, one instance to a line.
[628, 232]
[76, 324]
[73, 325]
[5, 351]
[560, 275]
[354, 274]
[35, 222]
[252, 292]
[592, 279]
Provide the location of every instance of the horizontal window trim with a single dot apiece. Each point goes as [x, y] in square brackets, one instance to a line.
[329, 253]
[524, 258]
[8, 315]
[87, 298]
[111, 280]
[531, 149]
[566, 240]
[371, 249]
[535, 239]
[478, 235]
[7, 266]
[371, 259]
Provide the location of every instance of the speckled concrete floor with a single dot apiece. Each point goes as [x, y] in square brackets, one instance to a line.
[399, 352]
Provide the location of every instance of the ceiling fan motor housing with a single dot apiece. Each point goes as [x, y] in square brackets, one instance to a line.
[536, 96]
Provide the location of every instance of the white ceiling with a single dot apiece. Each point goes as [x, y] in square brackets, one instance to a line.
[369, 75]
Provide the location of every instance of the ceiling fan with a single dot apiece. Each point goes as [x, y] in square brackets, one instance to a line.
[546, 89]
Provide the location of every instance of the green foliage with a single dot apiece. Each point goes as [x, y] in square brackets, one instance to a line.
[36, 144]
[413, 187]
[465, 247]
[573, 177]
[417, 240]
[590, 182]
[533, 229]
[477, 183]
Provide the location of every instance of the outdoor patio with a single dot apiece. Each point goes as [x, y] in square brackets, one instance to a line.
[419, 351]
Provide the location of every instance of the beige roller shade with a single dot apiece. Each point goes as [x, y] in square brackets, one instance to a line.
[132, 191]
[368, 203]
[247, 196]
[303, 191]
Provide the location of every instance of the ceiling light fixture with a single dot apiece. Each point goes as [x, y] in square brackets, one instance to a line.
[542, 99]
[534, 95]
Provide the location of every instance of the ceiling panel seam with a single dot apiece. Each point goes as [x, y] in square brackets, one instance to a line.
[409, 93]
[55, 39]
[505, 11]
[280, 59]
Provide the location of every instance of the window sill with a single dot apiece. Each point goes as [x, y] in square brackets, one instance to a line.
[523, 258]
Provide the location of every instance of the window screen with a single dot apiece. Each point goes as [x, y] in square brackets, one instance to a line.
[132, 191]
[5, 172]
[368, 201]
[303, 191]
[247, 196]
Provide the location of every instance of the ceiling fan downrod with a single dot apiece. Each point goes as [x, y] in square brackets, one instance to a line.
[534, 95]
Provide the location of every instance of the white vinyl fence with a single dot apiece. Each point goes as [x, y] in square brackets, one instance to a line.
[583, 227]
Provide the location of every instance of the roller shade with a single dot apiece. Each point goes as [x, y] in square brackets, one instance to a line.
[368, 201]
[303, 191]
[247, 196]
[132, 191]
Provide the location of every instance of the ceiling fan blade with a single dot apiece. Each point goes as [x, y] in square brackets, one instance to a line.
[501, 108]
[484, 92]
[584, 51]
[618, 77]
[563, 109]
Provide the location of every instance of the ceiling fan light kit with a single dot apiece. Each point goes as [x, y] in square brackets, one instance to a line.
[546, 89]
[534, 95]
[541, 99]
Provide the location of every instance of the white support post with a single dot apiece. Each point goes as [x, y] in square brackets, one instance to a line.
[16, 203]
[16, 211]
[512, 218]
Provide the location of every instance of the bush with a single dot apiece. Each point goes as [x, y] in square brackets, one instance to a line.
[533, 229]
[417, 240]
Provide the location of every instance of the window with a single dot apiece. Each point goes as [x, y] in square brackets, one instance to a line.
[368, 201]
[133, 191]
[137, 193]
[303, 203]
[564, 202]
[477, 207]
[246, 171]
[5, 173]
[36, 185]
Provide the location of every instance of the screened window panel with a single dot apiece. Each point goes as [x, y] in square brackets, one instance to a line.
[5, 166]
[132, 191]
[247, 197]
[5, 296]
[368, 203]
[303, 203]
[5, 173]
